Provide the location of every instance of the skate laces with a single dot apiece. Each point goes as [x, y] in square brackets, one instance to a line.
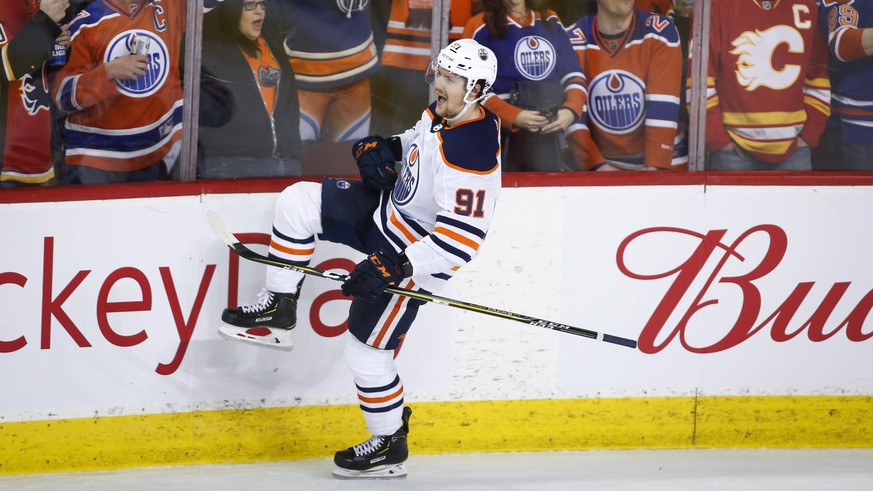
[265, 298]
[368, 446]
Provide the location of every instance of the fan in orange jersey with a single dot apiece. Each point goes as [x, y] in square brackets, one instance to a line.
[123, 92]
[768, 93]
[661, 7]
[633, 62]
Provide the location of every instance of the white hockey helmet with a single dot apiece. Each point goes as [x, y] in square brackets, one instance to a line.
[471, 60]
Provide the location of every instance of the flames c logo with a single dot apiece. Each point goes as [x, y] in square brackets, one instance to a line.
[755, 57]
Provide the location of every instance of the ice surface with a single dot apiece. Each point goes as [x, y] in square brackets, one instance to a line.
[770, 470]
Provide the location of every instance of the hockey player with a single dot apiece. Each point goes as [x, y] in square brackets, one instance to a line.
[418, 229]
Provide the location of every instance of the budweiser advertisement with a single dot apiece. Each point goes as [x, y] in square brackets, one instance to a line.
[111, 307]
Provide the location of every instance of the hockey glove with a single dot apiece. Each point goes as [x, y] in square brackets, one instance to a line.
[373, 275]
[376, 160]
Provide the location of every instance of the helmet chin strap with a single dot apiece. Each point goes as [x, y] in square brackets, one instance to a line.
[467, 105]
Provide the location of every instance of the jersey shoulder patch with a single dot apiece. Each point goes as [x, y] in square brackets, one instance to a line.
[473, 146]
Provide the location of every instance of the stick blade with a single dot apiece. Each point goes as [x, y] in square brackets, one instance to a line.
[220, 228]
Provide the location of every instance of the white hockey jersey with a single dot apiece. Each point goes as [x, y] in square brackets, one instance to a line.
[444, 199]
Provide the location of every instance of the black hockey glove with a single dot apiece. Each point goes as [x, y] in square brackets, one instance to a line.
[376, 273]
[376, 160]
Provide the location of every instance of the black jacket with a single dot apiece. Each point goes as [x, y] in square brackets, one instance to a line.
[249, 136]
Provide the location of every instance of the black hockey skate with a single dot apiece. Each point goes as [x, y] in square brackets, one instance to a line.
[266, 323]
[380, 457]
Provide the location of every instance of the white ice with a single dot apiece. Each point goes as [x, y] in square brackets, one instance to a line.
[650, 470]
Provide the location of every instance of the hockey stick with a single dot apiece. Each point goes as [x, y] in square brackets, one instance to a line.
[228, 238]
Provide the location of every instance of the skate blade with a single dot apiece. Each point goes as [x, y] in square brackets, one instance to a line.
[393, 471]
[267, 337]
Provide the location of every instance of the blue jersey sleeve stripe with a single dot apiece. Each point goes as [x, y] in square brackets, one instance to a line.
[450, 249]
[466, 227]
[418, 229]
[65, 95]
[662, 110]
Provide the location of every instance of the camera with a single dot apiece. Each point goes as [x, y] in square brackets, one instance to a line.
[546, 98]
[551, 113]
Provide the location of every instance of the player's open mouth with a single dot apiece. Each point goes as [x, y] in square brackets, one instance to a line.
[441, 99]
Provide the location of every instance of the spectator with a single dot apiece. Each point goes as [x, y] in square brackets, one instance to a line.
[847, 143]
[58, 140]
[397, 88]
[571, 9]
[768, 94]
[418, 230]
[660, 7]
[125, 114]
[28, 32]
[633, 63]
[540, 88]
[683, 8]
[330, 44]
[243, 50]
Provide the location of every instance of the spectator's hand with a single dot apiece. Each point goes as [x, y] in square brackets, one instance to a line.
[64, 38]
[55, 9]
[128, 67]
[530, 121]
[563, 121]
[373, 275]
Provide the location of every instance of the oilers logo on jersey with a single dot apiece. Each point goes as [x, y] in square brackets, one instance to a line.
[616, 101]
[158, 64]
[269, 77]
[405, 187]
[535, 57]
